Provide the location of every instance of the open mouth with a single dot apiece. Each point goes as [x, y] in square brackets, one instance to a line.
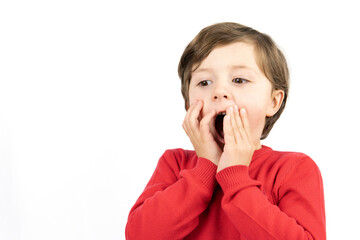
[219, 125]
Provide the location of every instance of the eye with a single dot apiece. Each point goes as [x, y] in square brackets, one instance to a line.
[240, 80]
[204, 83]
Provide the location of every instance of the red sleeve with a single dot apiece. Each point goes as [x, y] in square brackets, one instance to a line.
[299, 213]
[172, 201]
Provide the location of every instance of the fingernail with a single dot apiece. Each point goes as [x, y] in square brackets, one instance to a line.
[193, 102]
[243, 111]
[236, 108]
[231, 109]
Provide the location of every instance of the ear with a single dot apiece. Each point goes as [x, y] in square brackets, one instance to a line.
[275, 102]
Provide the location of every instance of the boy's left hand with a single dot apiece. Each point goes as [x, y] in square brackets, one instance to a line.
[239, 147]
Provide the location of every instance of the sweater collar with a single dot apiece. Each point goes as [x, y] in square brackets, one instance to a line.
[263, 151]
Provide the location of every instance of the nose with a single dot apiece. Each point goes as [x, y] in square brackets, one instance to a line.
[220, 92]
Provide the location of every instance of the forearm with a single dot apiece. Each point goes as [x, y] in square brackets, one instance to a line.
[256, 217]
[172, 212]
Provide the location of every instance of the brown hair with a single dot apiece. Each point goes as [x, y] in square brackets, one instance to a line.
[269, 58]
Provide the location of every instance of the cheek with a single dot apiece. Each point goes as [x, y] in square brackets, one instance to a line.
[257, 123]
[195, 94]
[205, 110]
[256, 116]
[255, 113]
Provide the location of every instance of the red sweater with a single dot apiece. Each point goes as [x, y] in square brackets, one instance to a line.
[279, 196]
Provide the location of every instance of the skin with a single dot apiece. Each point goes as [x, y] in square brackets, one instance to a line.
[229, 80]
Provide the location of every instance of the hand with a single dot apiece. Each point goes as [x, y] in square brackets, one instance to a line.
[239, 147]
[199, 133]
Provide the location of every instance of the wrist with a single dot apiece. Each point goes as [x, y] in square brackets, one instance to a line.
[212, 158]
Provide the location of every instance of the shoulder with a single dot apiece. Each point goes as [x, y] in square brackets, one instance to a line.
[183, 159]
[295, 166]
[266, 156]
[171, 163]
[179, 153]
[293, 159]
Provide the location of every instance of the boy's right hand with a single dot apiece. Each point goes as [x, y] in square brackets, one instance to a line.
[199, 132]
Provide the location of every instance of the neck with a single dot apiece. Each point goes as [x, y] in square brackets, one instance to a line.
[257, 145]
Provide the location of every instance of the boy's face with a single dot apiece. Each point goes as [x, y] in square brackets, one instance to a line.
[230, 76]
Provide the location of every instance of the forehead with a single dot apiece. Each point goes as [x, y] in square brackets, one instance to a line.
[235, 55]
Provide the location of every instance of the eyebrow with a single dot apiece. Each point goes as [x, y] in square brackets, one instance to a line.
[242, 67]
[232, 67]
[201, 70]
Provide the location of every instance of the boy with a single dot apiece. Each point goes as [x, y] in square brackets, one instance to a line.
[235, 85]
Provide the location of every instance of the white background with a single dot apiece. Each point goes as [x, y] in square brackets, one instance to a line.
[90, 99]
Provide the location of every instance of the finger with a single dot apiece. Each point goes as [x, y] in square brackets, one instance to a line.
[192, 115]
[245, 121]
[237, 125]
[237, 119]
[195, 111]
[231, 112]
[205, 121]
[229, 133]
[240, 124]
[228, 130]
[191, 122]
[186, 124]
